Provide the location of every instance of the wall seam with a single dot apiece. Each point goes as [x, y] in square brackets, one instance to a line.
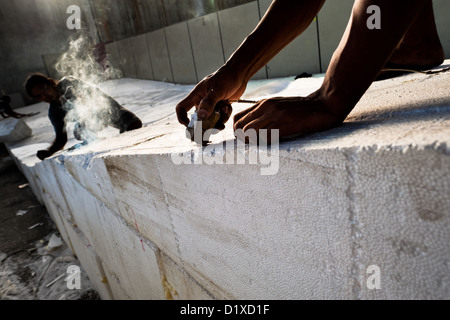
[149, 56]
[192, 51]
[260, 17]
[221, 37]
[318, 44]
[168, 54]
[133, 57]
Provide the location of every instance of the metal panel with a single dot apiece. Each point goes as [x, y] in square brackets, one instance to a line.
[142, 58]
[206, 44]
[159, 55]
[180, 52]
[127, 64]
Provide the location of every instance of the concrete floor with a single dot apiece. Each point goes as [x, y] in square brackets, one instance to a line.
[17, 197]
[26, 267]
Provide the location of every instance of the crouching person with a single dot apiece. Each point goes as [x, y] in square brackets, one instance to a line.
[72, 100]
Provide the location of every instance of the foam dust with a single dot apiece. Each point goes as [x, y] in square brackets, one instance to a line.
[86, 107]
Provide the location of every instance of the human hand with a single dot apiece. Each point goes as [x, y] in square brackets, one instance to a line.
[292, 116]
[220, 86]
[43, 154]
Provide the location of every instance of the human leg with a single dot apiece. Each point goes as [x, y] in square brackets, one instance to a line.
[420, 49]
[421, 46]
[128, 121]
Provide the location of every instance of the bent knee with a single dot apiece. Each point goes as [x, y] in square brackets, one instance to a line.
[136, 124]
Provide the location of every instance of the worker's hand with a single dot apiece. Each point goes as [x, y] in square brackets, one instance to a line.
[43, 154]
[219, 86]
[291, 116]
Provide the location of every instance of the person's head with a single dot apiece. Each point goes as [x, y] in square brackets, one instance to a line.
[41, 87]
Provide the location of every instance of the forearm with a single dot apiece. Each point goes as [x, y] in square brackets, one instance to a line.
[59, 143]
[281, 24]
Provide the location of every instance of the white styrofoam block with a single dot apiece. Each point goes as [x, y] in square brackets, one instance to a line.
[274, 233]
[133, 262]
[64, 183]
[134, 181]
[117, 291]
[89, 171]
[373, 191]
[90, 261]
[53, 198]
[178, 285]
[404, 221]
[12, 129]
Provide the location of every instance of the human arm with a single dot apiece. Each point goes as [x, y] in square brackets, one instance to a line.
[59, 143]
[282, 23]
[360, 56]
[56, 116]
